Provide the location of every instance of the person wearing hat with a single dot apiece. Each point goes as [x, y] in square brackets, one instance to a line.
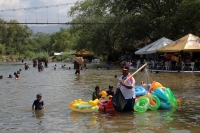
[38, 103]
[110, 91]
[127, 88]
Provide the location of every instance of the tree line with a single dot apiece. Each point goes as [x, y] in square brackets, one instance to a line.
[105, 27]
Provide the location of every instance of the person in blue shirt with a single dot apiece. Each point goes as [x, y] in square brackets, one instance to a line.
[38, 103]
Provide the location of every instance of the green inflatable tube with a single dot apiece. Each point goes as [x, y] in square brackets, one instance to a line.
[156, 100]
[171, 97]
[141, 105]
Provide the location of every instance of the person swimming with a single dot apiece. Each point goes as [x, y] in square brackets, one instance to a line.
[10, 76]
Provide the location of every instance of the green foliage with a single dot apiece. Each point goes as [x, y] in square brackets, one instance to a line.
[114, 25]
[42, 56]
[127, 22]
[59, 58]
[66, 55]
[61, 41]
[1, 58]
[2, 49]
[29, 54]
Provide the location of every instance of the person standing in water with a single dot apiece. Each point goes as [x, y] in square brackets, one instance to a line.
[38, 104]
[127, 88]
[77, 67]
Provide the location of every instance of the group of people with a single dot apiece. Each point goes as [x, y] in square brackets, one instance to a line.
[15, 75]
[127, 88]
[40, 65]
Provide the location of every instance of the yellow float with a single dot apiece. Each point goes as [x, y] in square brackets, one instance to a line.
[155, 85]
[81, 106]
[103, 94]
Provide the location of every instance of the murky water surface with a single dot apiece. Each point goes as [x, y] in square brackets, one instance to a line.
[60, 87]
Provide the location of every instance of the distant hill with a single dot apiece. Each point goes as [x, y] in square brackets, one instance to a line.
[49, 29]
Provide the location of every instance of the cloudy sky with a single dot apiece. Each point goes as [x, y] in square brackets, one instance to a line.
[22, 11]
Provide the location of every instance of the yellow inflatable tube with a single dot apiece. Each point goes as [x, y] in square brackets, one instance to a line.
[81, 106]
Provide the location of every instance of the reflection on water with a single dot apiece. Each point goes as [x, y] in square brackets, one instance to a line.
[61, 86]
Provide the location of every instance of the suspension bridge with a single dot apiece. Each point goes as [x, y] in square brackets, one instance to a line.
[53, 14]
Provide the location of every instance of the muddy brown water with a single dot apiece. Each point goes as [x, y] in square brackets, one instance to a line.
[61, 86]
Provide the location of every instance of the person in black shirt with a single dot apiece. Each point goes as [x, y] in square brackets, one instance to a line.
[110, 91]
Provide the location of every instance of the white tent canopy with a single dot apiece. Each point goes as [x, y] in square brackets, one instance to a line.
[58, 53]
[152, 47]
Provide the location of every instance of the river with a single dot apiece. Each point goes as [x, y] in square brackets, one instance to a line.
[61, 86]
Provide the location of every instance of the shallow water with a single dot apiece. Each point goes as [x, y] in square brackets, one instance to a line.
[61, 86]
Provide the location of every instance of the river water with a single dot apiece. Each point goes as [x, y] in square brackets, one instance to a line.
[61, 86]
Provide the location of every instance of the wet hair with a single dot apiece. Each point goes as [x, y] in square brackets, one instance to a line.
[110, 87]
[15, 73]
[10, 76]
[39, 95]
[16, 76]
[97, 87]
[1, 76]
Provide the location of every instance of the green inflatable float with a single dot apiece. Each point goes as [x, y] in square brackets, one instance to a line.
[141, 105]
[154, 102]
[171, 97]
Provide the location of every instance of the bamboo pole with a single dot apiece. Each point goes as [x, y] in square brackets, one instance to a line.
[135, 72]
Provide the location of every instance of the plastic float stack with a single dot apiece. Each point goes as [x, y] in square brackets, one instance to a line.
[92, 105]
[157, 97]
[149, 96]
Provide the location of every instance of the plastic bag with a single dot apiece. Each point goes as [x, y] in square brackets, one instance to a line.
[119, 101]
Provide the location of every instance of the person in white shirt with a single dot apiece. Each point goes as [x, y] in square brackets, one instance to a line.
[127, 88]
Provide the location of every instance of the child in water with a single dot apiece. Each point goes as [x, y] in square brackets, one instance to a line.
[96, 94]
[38, 103]
[110, 91]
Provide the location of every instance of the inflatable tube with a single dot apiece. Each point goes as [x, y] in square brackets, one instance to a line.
[105, 105]
[140, 91]
[160, 93]
[81, 106]
[165, 104]
[154, 102]
[141, 105]
[171, 97]
[147, 87]
[155, 85]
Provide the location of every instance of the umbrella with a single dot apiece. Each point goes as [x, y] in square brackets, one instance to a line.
[83, 52]
[151, 48]
[188, 43]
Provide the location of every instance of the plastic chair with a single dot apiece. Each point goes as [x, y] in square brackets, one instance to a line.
[192, 65]
[152, 65]
[159, 66]
[182, 66]
[167, 65]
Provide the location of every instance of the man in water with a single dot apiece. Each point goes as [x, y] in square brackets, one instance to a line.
[127, 88]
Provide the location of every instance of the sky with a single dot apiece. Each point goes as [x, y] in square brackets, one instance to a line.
[43, 11]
